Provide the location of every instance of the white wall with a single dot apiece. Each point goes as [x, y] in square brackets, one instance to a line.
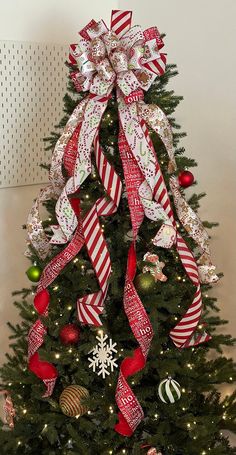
[50, 21]
[14, 208]
[200, 39]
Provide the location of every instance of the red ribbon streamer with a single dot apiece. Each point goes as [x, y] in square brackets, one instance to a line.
[131, 412]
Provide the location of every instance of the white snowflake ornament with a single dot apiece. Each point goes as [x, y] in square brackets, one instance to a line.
[102, 356]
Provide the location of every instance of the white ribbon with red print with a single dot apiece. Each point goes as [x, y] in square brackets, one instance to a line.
[36, 234]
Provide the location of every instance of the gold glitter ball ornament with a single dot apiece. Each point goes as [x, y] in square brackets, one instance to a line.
[144, 283]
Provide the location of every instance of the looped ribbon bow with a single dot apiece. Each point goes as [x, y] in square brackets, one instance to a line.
[127, 59]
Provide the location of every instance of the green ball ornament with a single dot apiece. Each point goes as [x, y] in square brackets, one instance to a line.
[169, 390]
[34, 273]
[144, 283]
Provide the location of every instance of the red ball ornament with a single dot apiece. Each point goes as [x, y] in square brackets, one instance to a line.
[69, 334]
[186, 178]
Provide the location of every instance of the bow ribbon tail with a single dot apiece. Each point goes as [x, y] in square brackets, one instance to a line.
[91, 306]
[184, 334]
[44, 370]
[194, 227]
[157, 120]
[38, 238]
[131, 413]
[65, 214]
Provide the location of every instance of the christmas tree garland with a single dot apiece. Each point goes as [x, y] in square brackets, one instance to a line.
[128, 59]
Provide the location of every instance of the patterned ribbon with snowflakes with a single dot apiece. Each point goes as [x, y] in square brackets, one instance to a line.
[128, 59]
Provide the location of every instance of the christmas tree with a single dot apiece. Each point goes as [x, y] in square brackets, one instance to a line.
[125, 350]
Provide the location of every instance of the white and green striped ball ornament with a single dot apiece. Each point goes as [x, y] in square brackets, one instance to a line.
[169, 390]
[70, 400]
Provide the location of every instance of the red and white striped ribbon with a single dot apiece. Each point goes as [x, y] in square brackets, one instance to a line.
[183, 334]
[120, 22]
[91, 306]
[157, 66]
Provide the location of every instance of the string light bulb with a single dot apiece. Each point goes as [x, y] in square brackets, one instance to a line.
[57, 356]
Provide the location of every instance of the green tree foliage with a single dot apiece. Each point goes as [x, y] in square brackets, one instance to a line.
[195, 424]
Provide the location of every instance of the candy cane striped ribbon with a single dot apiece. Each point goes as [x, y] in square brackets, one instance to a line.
[120, 22]
[89, 232]
[157, 66]
[183, 333]
[91, 306]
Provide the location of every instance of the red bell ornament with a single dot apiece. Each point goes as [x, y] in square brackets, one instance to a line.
[69, 334]
[186, 178]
